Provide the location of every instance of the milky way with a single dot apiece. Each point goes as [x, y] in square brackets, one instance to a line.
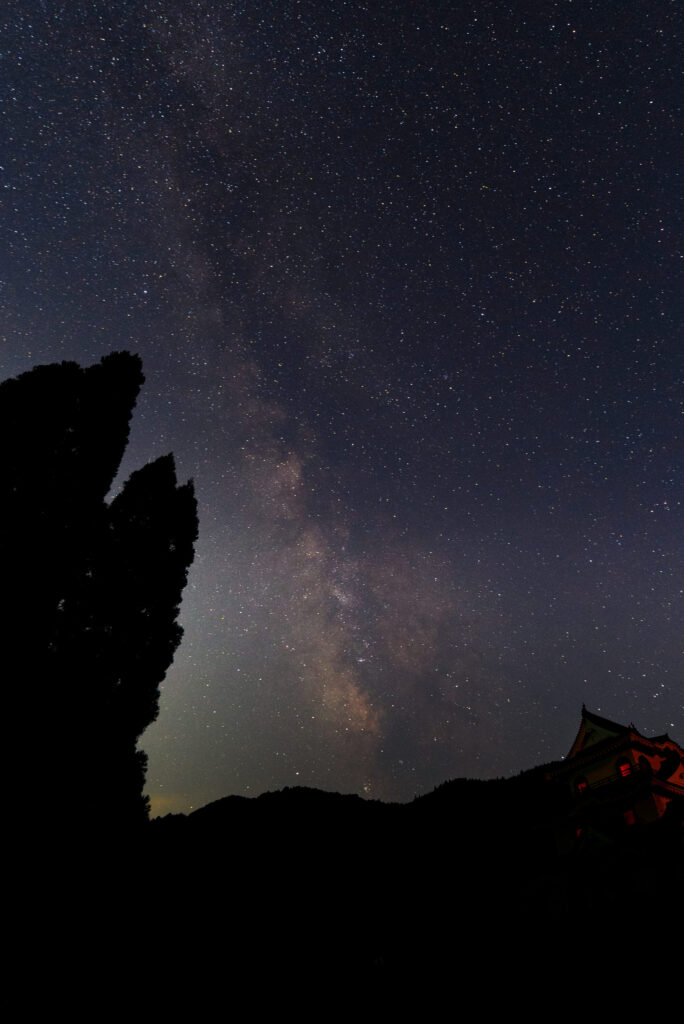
[406, 285]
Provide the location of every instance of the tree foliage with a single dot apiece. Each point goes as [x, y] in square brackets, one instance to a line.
[92, 588]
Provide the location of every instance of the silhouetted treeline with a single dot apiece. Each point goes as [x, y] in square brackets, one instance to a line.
[91, 594]
[468, 874]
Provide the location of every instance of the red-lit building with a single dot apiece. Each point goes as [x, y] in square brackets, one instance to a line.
[617, 777]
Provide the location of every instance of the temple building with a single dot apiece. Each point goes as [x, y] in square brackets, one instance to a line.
[615, 777]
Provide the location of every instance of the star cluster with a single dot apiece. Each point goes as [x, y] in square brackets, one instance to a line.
[405, 279]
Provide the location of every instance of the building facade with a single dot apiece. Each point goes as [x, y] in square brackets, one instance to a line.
[618, 778]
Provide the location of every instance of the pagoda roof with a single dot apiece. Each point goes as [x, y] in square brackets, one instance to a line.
[596, 730]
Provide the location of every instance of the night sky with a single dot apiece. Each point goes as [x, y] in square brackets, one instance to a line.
[406, 282]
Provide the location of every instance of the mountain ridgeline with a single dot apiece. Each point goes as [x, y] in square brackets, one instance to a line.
[366, 886]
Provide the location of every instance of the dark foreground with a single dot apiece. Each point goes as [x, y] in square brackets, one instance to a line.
[476, 884]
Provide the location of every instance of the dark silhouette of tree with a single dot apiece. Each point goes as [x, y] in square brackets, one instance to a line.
[91, 589]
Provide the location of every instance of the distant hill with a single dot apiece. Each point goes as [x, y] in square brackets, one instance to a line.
[365, 883]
